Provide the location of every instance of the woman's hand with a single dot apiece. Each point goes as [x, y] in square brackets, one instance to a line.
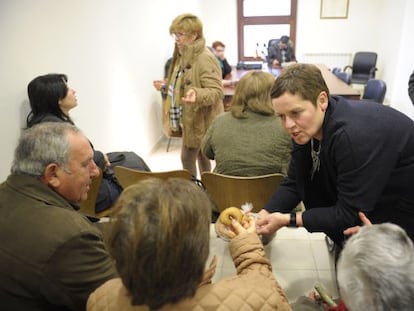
[275, 63]
[190, 97]
[248, 225]
[365, 222]
[269, 223]
[158, 84]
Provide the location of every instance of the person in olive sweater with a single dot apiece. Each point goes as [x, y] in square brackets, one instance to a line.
[249, 140]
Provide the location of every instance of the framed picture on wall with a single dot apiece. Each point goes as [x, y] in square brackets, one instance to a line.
[334, 8]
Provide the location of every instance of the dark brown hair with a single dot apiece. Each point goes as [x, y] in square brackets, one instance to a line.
[217, 43]
[160, 240]
[305, 80]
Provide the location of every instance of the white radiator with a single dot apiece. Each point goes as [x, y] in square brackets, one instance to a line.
[331, 60]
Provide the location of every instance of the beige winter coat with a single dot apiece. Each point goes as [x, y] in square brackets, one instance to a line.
[253, 288]
[201, 72]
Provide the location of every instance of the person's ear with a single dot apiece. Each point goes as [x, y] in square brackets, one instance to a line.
[50, 175]
[323, 101]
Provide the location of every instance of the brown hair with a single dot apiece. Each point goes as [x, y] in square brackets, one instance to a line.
[253, 93]
[160, 240]
[305, 80]
[217, 44]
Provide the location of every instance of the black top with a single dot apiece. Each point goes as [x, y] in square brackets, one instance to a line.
[366, 164]
[225, 67]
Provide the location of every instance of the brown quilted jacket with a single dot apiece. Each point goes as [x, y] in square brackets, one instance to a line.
[253, 288]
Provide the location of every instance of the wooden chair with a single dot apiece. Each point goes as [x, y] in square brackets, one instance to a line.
[127, 176]
[226, 191]
[87, 207]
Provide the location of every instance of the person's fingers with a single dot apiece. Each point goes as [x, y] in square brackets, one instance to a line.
[261, 220]
[263, 229]
[352, 230]
[364, 218]
[236, 226]
[251, 225]
[262, 214]
[312, 295]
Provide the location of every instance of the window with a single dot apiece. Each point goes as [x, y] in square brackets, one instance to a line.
[262, 20]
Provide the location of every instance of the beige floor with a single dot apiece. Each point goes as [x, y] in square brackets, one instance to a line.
[299, 258]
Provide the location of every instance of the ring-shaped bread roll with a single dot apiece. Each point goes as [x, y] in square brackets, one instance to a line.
[233, 212]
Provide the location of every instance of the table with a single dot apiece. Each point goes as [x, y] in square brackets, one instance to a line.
[335, 85]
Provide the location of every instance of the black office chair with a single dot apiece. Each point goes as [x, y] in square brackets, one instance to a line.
[272, 42]
[363, 67]
[344, 76]
[375, 90]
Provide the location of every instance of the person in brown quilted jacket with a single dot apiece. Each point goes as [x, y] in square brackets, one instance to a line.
[160, 241]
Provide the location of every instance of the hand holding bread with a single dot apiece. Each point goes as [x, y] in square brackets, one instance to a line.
[233, 222]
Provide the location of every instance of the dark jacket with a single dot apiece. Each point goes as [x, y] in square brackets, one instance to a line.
[411, 87]
[225, 68]
[275, 52]
[51, 257]
[366, 164]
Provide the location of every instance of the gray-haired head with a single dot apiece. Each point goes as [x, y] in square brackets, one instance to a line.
[41, 145]
[376, 269]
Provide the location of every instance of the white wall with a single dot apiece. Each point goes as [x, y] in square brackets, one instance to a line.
[113, 50]
[381, 26]
[402, 59]
[220, 23]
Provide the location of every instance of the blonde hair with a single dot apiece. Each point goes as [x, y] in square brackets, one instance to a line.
[188, 24]
[253, 94]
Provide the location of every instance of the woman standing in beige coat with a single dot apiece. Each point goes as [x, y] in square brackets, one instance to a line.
[194, 93]
[160, 243]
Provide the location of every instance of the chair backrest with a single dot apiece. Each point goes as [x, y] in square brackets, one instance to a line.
[272, 46]
[363, 67]
[344, 76]
[226, 191]
[127, 176]
[375, 90]
[273, 42]
[87, 207]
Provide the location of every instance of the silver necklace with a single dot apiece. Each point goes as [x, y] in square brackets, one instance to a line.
[316, 162]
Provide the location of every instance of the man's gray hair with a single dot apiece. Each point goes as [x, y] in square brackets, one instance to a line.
[41, 145]
[376, 269]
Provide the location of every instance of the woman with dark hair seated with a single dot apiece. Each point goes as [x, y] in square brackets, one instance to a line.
[160, 242]
[51, 99]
